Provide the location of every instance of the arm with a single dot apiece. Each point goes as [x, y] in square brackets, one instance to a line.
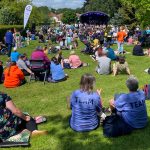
[16, 111]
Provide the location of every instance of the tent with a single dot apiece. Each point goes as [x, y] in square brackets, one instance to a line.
[95, 18]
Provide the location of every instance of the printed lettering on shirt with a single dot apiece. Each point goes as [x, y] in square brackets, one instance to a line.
[85, 101]
[137, 104]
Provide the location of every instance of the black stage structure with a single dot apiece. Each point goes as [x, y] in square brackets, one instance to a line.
[94, 18]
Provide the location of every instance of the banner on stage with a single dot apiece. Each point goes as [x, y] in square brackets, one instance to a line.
[27, 13]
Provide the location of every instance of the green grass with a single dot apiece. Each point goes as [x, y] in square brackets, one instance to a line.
[50, 100]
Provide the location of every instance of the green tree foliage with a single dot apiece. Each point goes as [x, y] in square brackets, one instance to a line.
[69, 17]
[12, 12]
[107, 6]
[141, 10]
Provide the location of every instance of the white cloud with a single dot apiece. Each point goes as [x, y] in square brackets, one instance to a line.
[59, 3]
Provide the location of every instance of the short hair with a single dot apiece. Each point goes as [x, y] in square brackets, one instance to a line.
[132, 83]
[87, 82]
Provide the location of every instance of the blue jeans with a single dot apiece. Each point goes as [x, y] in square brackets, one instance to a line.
[120, 47]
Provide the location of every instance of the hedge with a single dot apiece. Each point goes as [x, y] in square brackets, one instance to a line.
[4, 28]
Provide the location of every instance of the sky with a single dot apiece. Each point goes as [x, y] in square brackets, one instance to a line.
[59, 3]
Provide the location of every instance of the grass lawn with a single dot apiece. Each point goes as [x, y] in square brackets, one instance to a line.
[50, 100]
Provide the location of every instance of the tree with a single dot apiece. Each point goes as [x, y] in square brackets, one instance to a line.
[142, 10]
[69, 17]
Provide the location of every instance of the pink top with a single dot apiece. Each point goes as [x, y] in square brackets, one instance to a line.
[75, 61]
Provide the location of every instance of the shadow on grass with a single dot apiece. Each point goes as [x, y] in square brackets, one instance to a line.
[71, 140]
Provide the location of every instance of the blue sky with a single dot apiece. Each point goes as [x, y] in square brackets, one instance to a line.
[59, 3]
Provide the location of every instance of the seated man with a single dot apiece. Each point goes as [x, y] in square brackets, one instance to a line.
[138, 50]
[130, 108]
[104, 64]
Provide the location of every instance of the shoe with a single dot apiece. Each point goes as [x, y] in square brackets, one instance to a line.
[39, 132]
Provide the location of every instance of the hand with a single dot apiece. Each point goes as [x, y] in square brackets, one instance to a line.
[32, 73]
[28, 118]
[99, 91]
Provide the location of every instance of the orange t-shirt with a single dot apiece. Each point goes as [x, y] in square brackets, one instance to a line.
[120, 36]
[14, 78]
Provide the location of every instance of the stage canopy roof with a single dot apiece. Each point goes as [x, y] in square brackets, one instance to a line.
[94, 17]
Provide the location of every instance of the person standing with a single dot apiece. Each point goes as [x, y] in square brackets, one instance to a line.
[9, 41]
[120, 39]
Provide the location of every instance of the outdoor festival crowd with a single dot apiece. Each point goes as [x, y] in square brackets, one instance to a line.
[127, 112]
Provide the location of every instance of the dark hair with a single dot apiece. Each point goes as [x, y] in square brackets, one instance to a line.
[13, 63]
[87, 82]
[55, 60]
[121, 59]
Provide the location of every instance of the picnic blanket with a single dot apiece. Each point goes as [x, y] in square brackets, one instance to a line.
[21, 139]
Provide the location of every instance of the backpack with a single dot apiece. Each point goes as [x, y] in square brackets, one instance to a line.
[146, 90]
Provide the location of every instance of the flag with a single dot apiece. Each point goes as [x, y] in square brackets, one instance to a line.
[27, 13]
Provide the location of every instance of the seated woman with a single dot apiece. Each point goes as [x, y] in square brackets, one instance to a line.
[13, 120]
[85, 105]
[13, 76]
[121, 66]
[131, 110]
[57, 72]
[22, 65]
[75, 61]
[138, 50]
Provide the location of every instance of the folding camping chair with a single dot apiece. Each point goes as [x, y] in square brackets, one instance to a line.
[38, 68]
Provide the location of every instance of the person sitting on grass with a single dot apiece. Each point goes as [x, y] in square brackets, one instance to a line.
[14, 55]
[57, 72]
[104, 64]
[13, 76]
[85, 105]
[75, 61]
[13, 119]
[110, 52]
[1, 71]
[130, 108]
[23, 66]
[121, 66]
[138, 50]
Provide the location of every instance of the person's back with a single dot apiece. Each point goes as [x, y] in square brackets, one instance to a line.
[138, 50]
[104, 65]
[57, 71]
[38, 54]
[13, 77]
[111, 54]
[14, 56]
[75, 61]
[133, 108]
[84, 116]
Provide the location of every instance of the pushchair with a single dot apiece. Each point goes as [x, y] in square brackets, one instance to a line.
[3, 49]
